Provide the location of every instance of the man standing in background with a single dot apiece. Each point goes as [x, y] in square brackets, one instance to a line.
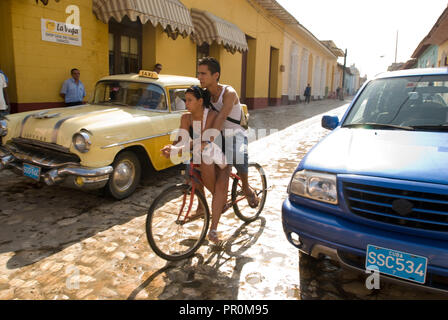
[307, 93]
[4, 101]
[157, 68]
[4, 74]
[73, 90]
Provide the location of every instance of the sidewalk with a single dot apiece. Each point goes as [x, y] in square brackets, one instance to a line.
[281, 117]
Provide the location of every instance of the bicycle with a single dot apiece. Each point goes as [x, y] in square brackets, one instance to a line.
[170, 232]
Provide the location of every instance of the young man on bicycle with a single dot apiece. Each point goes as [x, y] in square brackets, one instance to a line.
[225, 101]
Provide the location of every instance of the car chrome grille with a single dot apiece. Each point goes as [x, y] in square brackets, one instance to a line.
[421, 210]
[41, 153]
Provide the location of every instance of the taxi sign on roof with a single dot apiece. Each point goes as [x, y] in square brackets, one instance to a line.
[148, 74]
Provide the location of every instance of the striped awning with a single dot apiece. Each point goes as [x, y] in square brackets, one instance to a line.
[170, 14]
[209, 28]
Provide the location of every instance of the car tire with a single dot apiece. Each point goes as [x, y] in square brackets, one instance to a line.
[126, 175]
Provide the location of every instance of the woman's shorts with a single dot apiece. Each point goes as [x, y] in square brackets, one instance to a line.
[235, 149]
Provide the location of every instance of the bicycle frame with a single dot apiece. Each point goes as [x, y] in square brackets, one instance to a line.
[193, 174]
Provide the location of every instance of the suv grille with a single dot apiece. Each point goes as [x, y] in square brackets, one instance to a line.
[412, 209]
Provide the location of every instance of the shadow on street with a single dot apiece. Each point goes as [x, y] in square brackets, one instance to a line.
[200, 277]
[51, 219]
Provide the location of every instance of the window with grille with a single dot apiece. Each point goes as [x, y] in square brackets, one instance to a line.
[125, 42]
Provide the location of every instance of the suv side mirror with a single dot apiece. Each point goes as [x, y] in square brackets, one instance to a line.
[329, 122]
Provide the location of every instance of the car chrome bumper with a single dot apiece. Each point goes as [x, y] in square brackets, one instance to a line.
[72, 175]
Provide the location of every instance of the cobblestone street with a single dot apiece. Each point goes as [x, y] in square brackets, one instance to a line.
[58, 243]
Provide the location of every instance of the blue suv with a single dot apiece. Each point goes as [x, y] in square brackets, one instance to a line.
[374, 193]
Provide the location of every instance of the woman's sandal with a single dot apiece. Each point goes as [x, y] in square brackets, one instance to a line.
[213, 237]
[253, 200]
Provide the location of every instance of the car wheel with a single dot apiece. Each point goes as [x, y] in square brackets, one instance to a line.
[125, 177]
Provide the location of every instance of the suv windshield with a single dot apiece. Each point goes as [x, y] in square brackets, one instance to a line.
[416, 103]
[133, 94]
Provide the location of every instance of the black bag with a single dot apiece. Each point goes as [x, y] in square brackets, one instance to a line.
[243, 122]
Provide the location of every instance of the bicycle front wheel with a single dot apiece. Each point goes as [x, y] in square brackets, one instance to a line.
[170, 233]
[258, 184]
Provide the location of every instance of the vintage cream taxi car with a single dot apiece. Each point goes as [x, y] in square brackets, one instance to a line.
[107, 143]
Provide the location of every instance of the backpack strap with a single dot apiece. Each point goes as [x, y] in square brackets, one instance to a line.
[238, 122]
[228, 118]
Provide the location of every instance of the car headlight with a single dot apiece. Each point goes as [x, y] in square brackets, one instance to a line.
[3, 128]
[82, 142]
[315, 185]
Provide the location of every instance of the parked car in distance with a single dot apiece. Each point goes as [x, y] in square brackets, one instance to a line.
[373, 194]
[104, 144]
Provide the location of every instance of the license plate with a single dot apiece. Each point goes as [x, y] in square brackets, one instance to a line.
[30, 171]
[396, 263]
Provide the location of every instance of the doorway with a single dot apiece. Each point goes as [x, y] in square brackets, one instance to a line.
[125, 46]
[274, 62]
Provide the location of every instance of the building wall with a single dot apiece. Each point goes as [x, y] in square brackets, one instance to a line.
[40, 67]
[177, 56]
[232, 65]
[429, 58]
[442, 54]
[266, 31]
[314, 63]
[7, 56]
[291, 71]
[37, 68]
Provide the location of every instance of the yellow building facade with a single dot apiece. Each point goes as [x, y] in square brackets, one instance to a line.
[307, 61]
[270, 65]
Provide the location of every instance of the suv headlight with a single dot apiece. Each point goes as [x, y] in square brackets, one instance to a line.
[82, 142]
[315, 185]
[3, 128]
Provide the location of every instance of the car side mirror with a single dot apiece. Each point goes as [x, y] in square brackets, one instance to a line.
[329, 122]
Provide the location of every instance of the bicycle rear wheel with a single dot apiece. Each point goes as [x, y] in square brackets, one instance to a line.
[170, 235]
[258, 184]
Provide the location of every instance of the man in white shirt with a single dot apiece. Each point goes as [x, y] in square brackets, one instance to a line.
[225, 100]
[4, 101]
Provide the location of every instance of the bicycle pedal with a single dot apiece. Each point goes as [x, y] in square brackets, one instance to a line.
[216, 247]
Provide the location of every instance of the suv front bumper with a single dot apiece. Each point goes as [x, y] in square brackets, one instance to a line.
[327, 234]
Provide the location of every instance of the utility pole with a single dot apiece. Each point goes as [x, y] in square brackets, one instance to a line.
[343, 76]
[396, 48]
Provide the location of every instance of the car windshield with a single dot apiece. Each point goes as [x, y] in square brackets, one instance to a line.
[416, 103]
[132, 94]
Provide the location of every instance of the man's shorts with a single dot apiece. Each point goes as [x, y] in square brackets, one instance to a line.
[236, 152]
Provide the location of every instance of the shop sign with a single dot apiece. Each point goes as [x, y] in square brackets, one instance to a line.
[61, 32]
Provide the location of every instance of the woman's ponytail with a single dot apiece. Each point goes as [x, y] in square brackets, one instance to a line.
[206, 96]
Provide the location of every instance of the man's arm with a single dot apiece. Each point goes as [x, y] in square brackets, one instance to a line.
[229, 100]
[5, 95]
[63, 90]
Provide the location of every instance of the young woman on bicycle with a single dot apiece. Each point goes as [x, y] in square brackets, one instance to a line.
[197, 101]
